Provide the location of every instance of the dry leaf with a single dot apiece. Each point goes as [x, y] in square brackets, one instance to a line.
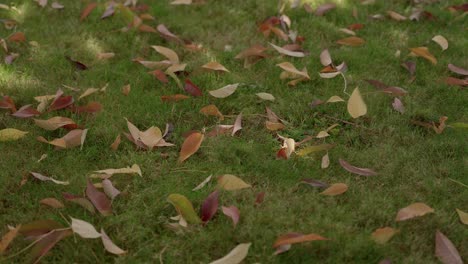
[181, 2]
[297, 54]
[11, 134]
[192, 89]
[209, 206]
[383, 235]
[83, 202]
[235, 256]
[289, 67]
[109, 189]
[47, 242]
[26, 112]
[99, 199]
[74, 138]
[105, 55]
[87, 10]
[8, 238]
[45, 178]
[135, 169]
[356, 105]
[335, 99]
[237, 124]
[126, 89]
[184, 207]
[356, 170]
[231, 183]
[325, 58]
[84, 229]
[212, 110]
[443, 43]
[463, 216]
[109, 245]
[445, 250]
[52, 202]
[215, 66]
[457, 70]
[266, 96]
[191, 145]
[413, 210]
[424, 52]
[54, 123]
[335, 189]
[324, 8]
[202, 184]
[168, 53]
[166, 34]
[232, 212]
[224, 91]
[351, 41]
[312, 149]
[325, 161]
[396, 16]
[116, 143]
[398, 105]
[174, 98]
[284, 242]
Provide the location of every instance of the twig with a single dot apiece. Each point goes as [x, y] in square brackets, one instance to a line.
[455, 181]
[345, 84]
[160, 255]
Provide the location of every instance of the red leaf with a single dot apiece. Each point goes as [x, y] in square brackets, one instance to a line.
[78, 65]
[99, 199]
[61, 102]
[233, 213]
[7, 103]
[48, 242]
[26, 111]
[192, 89]
[160, 75]
[17, 37]
[209, 206]
[356, 170]
[39, 227]
[355, 26]
[260, 198]
[87, 10]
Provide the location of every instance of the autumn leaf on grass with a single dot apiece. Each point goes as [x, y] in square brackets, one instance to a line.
[230, 182]
[283, 243]
[451, 67]
[135, 169]
[87, 10]
[17, 37]
[440, 127]
[424, 53]
[109, 189]
[212, 110]
[54, 123]
[184, 207]
[314, 183]
[181, 2]
[192, 89]
[202, 184]
[393, 90]
[398, 105]
[413, 210]
[191, 145]
[324, 8]
[166, 34]
[8, 238]
[235, 256]
[105, 55]
[445, 250]
[52, 202]
[395, 16]
[289, 146]
[297, 54]
[383, 235]
[84, 229]
[209, 206]
[356, 170]
[45, 178]
[47, 242]
[215, 66]
[224, 91]
[72, 139]
[356, 105]
[174, 98]
[110, 246]
[335, 189]
[39, 227]
[232, 212]
[266, 96]
[99, 199]
[26, 111]
[7, 103]
[252, 55]
[168, 53]
[351, 41]
[311, 149]
[115, 145]
[443, 43]
[126, 89]
[83, 202]
[11, 134]
[463, 216]
[148, 139]
[290, 68]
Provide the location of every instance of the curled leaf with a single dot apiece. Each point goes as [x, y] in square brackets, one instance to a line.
[109, 245]
[383, 235]
[232, 212]
[235, 256]
[443, 43]
[424, 53]
[356, 170]
[224, 91]
[445, 250]
[184, 207]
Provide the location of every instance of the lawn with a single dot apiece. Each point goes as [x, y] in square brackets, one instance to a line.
[413, 162]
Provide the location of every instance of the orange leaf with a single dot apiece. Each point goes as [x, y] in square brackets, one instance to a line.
[424, 52]
[351, 41]
[87, 10]
[212, 110]
[191, 145]
[7, 238]
[173, 98]
[294, 238]
[17, 37]
[335, 189]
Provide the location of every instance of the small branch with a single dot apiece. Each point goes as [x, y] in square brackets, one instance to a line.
[345, 84]
[455, 181]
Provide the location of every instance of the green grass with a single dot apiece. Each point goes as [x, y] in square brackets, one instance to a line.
[414, 164]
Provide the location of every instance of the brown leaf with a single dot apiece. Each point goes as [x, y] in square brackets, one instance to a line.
[17, 37]
[457, 70]
[126, 89]
[47, 242]
[237, 124]
[7, 103]
[215, 66]
[351, 41]
[209, 206]
[52, 202]
[8, 238]
[259, 198]
[424, 52]
[289, 67]
[456, 81]
[294, 238]
[191, 145]
[232, 212]
[192, 89]
[166, 34]
[116, 143]
[413, 210]
[60, 101]
[335, 189]
[26, 112]
[212, 110]
[90, 108]
[174, 98]
[274, 126]
[396, 16]
[72, 139]
[383, 235]
[445, 250]
[83, 202]
[356, 170]
[440, 127]
[160, 75]
[87, 10]
[322, 9]
[99, 199]
[53, 123]
[39, 227]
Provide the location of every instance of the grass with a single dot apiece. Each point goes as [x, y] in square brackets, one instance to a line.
[414, 164]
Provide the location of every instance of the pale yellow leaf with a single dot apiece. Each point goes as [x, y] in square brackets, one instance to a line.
[109, 245]
[168, 53]
[463, 216]
[413, 210]
[335, 189]
[230, 183]
[215, 66]
[289, 67]
[266, 96]
[443, 43]
[288, 52]
[235, 256]
[11, 134]
[356, 105]
[224, 91]
[383, 235]
[84, 229]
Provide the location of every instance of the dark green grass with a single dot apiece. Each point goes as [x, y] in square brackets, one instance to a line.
[414, 164]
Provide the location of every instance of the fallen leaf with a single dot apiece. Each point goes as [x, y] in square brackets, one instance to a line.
[383, 235]
[463, 216]
[456, 81]
[335, 189]
[83, 202]
[335, 99]
[174, 98]
[99, 199]
[181, 2]
[54, 123]
[135, 169]
[146, 28]
[266, 96]
[284, 242]
[184, 207]
[274, 126]
[126, 89]
[324, 8]
[191, 145]
[424, 52]
[202, 184]
[410, 66]
[151, 137]
[297, 54]
[439, 128]
[212, 110]
[230, 182]
[168, 53]
[160, 75]
[445, 250]
[289, 67]
[351, 41]
[314, 183]
[105, 55]
[312, 149]
[235, 256]
[88, 92]
[8, 238]
[47, 242]
[413, 210]
[87, 10]
[52, 202]
[78, 65]
[84, 229]
[356, 170]
[109, 189]
[259, 198]
[11, 134]
[398, 105]
[325, 58]
[454, 69]
[7, 103]
[17, 37]
[45, 178]
[116, 143]
[396, 16]
[224, 91]
[39, 227]
[166, 34]
[347, 31]
[232, 212]
[110, 246]
[325, 161]
[192, 89]
[356, 105]
[26, 112]
[237, 124]
[215, 66]
[443, 43]
[10, 58]
[209, 206]
[72, 139]
[56, 5]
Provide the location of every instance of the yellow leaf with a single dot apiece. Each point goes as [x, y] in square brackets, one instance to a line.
[443, 43]
[212, 110]
[396, 16]
[356, 106]
[235, 256]
[424, 52]
[230, 183]
[151, 137]
[383, 235]
[224, 91]
[316, 148]
[463, 216]
[289, 67]
[11, 134]
[413, 210]
[335, 189]
[266, 96]
[184, 207]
